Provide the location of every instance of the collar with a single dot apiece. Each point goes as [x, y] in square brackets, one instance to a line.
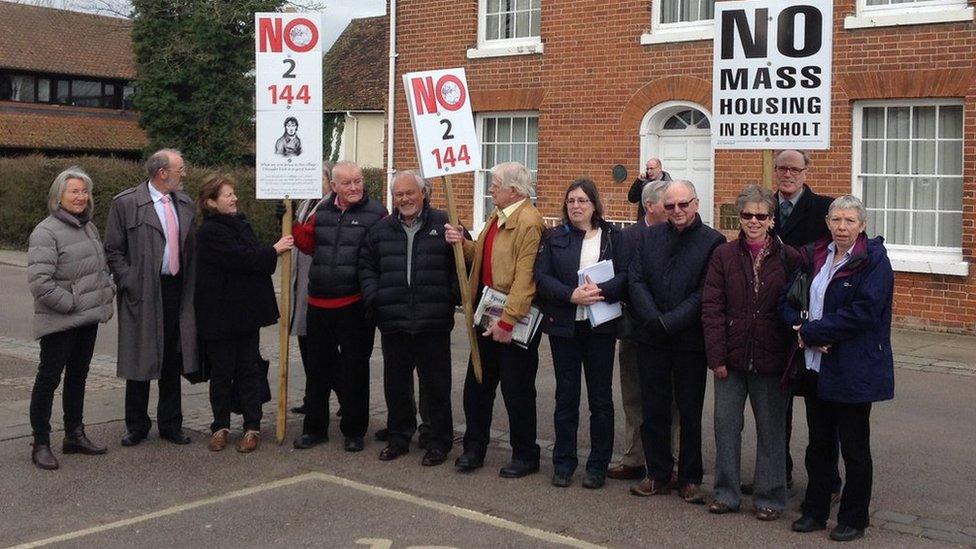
[418, 221]
[796, 197]
[154, 193]
[508, 211]
[694, 225]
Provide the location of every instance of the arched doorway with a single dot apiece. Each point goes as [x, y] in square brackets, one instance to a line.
[679, 133]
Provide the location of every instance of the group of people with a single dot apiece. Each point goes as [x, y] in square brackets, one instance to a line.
[798, 304]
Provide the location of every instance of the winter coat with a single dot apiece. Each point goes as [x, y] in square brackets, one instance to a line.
[807, 222]
[234, 292]
[333, 238]
[427, 303]
[556, 277]
[67, 275]
[637, 191]
[665, 283]
[856, 323]
[741, 319]
[134, 243]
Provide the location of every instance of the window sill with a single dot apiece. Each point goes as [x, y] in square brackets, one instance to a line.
[678, 35]
[908, 17]
[913, 263]
[487, 51]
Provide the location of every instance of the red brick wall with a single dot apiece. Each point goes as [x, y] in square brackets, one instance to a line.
[595, 82]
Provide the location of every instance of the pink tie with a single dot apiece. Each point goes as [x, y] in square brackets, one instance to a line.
[172, 236]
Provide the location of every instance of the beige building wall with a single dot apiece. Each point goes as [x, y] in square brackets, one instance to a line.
[362, 139]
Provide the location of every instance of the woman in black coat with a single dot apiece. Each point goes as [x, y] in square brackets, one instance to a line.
[583, 239]
[234, 299]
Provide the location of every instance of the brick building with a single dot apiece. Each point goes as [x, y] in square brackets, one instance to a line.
[574, 87]
[65, 83]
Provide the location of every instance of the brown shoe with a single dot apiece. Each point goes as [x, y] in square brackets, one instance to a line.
[766, 514]
[691, 493]
[249, 442]
[76, 442]
[651, 487]
[218, 440]
[626, 472]
[43, 458]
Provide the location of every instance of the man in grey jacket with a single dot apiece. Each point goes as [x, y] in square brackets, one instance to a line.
[149, 244]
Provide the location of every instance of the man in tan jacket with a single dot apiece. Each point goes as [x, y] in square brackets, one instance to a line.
[503, 258]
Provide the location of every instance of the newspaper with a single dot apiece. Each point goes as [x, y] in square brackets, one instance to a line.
[601, 311]
[490, 308]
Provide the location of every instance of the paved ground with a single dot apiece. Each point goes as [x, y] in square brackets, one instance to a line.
[161, 495]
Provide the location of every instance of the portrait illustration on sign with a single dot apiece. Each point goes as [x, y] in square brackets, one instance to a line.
[289, 144]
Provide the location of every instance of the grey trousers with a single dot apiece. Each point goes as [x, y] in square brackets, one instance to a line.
[769, 408]
[630, 395]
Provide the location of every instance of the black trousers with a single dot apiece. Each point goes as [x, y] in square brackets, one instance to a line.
[169, 409]
[663, 373]
[235, 376]
[70, 352]
[515, 369]
[825, 421]
[303, 351]
[430, 354]
[340, 342]
[789, 458]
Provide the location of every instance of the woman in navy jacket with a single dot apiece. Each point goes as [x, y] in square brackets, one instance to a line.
[234, 299]
[848, 364]
[583, 239]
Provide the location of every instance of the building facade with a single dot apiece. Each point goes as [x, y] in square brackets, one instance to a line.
[575, 87]
[65, 83]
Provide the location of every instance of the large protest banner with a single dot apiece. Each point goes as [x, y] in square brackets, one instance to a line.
[288, 100]
[771, 74]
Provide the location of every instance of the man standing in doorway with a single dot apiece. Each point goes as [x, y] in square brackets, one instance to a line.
[653, 171]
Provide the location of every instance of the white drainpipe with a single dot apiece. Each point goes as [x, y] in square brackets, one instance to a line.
[355, 137]
[390, 89]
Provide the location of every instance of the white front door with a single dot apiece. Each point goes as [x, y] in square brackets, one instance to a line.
[681, 137]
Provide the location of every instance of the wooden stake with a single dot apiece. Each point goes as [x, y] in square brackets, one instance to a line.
[284, 324]
[462, 274]
[767, 179]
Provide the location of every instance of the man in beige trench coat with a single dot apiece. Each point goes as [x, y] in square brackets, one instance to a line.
[149, 245]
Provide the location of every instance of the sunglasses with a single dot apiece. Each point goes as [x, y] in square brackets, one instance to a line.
[746, 216]
[681, 205]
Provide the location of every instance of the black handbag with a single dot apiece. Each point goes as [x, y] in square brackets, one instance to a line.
[798, 295]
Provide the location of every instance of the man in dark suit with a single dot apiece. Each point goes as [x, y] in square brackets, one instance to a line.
[800, 213]
[653, 171]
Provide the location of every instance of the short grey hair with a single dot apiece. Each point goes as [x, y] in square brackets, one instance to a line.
[422, 184]
[653, 191]
[756, 194]
[159, 160]
[686, 184]
[60, 185]
[803, 153]
[343, 165]
[848, 202]
[515, 176]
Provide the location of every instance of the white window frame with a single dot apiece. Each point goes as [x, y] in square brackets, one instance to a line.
[906, 258]
[910, 13]
[683, 31]
[479, 215]
[530, 45]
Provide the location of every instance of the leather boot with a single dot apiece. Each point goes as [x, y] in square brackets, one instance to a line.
[75, 442]
[42, 457]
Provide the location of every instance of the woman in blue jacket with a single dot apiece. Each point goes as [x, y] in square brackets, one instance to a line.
[846, 344]
[578, 348]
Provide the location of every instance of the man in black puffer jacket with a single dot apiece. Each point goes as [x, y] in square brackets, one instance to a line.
[408, 278]
[340, 335]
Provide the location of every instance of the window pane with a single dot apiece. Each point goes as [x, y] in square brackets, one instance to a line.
[899, 193]
[875, 223]
[896, 228]
[708, 9]
[950, 194]
[17, 88]
[872, 156]
[897, 157]
[874, 192]
[127, 92]
[950, 121]
[924, 125]
[108, 95]
[924, 230]
[533, 129]
[63, 96]
[43, 90]
[873, 122]
[535, 4]
[925, 193]
[504, 130]
[493, 6]
[86, 93]
[950, 230]
[532, 160]
[518, 130]
[507, 25]
[670, 11]
[489, 156]
[923, 157]
[491, 28]
[518, 153]
[535, 24]
[504, 153]
[522, 24]
[950, 157]
[489, 129]
[898, 122]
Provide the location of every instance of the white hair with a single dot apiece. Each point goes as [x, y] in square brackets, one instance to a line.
[422, 184]
[653, 192]
[515, 176]
[848, 202]
[60, 185]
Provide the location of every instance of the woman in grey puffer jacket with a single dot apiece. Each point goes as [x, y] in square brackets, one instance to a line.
[73, 292]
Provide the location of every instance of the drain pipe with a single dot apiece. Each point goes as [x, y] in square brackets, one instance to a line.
[355, 136]
[390, 103]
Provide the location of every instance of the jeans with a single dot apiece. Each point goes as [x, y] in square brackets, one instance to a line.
[69, 351]
[591, 355]
[768, 402]
[235, 375]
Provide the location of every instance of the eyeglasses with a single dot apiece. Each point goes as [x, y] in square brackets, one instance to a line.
[181, 171]
[580, 201]
[793, 170]
[746, 216]
[681, 205]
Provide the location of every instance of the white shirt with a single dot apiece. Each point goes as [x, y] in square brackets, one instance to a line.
[589, 255]
[157, 198]
[818, 290]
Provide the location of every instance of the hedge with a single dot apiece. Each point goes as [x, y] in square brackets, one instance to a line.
[25, 181]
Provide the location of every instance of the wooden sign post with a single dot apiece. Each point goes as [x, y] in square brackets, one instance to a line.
[463, 282]
[284, 323]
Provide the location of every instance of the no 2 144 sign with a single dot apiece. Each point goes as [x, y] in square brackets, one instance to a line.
[443, 127]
